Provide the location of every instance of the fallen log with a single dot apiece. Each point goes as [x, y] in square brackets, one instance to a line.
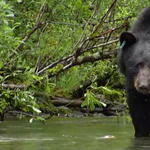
[67, 102]
[110, 109]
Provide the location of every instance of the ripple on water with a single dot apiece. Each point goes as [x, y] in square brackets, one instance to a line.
[8, 139]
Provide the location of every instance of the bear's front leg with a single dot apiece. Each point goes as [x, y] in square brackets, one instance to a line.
[141, 128]
[141, 119]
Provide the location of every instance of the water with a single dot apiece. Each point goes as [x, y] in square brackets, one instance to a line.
[70, 134]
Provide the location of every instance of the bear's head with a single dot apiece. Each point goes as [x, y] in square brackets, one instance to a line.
[134, 61]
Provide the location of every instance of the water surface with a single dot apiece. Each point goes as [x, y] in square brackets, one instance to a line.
[70, 134]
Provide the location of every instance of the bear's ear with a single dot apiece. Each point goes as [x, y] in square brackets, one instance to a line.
[127, 39]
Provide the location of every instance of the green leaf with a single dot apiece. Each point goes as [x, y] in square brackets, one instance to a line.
[84, 103]
[19, 1]
[36, 110]
[1, 64]
[31, 120]
[48, 89]
[40, 118]
[2, 3]
[92, 106]
[103, 104]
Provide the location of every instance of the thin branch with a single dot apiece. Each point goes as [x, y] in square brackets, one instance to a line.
[53, 64]
[61, 23]
[13, 86]
[100, 45]
[40, 15]
[38, 25]
[94, 13]
[39, 58]
[105, 16]
[71, 56]
[81, 60]
[26, 114]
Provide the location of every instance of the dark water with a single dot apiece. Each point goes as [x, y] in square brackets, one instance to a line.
[70, 134]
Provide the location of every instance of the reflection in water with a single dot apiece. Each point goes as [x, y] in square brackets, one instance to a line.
[142, 143]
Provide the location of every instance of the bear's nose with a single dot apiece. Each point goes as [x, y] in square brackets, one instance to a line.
[144, 88]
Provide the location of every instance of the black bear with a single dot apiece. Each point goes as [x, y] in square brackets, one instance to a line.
[134, 63]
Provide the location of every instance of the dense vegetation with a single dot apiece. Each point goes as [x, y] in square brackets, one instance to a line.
[61, 48]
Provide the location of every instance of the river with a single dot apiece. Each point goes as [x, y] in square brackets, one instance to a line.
[60, 133]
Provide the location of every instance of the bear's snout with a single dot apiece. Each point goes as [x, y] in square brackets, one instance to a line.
[142, 80]
[144, 88]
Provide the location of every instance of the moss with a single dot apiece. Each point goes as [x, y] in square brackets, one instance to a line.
[63, 93]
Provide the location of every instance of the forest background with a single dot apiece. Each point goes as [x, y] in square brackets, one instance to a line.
[62, 53]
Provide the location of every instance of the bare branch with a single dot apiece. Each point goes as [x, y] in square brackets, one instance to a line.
[53, 64]
[13, 86]
[71, 57]
[100, 45]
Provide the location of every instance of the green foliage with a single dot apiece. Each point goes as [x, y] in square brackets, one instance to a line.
[124, 9]
[3, 105]
[56, 38]
[71, 79]
[91, 101]
[104, 71]
[7, 25]
[112, 95]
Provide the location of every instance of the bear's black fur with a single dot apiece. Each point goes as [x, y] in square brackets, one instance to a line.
[134, 63]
